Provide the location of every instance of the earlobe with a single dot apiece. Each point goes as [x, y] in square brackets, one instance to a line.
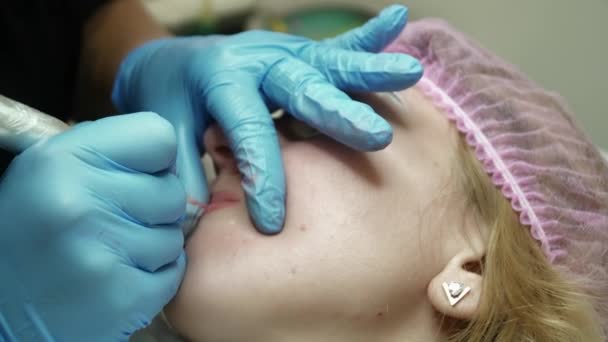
[456, 290]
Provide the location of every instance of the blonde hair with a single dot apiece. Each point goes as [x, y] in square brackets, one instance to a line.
[524, 298]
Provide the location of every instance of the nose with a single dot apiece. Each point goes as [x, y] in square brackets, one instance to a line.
[217, 146]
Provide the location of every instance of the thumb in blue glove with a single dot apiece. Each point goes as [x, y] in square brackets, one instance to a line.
[233, 80]
[90, 247]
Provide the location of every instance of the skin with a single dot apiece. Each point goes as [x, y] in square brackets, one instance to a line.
[365, 234]
[115, 29]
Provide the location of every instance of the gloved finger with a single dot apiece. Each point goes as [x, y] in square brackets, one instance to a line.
[160, 286]
[147, 247]
[143, 142]
[238, 108]
[364, 71]
[374, 35]
[306, 94]
[190, 171]
[147, 199]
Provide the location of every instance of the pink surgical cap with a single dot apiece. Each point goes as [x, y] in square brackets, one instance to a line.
[528, 143]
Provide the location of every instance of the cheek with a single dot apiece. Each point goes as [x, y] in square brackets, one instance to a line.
[362, 223]
[328, 181]
[350, 247]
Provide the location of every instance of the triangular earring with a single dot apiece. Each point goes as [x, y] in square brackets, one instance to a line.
[455, 291]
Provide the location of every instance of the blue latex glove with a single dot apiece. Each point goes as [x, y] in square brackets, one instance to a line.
[235, 79]
[90, 247]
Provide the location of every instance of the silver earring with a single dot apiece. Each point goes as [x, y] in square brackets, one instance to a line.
[455, 291]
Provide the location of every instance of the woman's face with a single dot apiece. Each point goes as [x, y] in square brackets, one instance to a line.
[364, 234]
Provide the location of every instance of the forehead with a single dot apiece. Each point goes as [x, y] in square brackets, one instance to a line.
[412, 111]
[425, 140]
[421, 132]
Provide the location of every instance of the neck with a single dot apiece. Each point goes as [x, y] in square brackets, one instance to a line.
[413, 322]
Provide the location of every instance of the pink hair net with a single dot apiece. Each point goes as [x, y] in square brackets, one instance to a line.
[528, 143]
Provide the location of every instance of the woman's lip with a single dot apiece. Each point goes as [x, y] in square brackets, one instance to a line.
[224, 196]
[219, 200]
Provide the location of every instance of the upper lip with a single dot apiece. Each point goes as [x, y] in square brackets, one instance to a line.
[224, 196]
[219, 200]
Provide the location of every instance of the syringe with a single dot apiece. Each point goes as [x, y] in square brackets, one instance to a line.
[22, 126]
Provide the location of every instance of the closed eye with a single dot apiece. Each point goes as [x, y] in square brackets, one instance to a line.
[293, 128]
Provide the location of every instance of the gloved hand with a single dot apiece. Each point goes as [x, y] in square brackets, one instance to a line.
[235, 79]
[90, 248]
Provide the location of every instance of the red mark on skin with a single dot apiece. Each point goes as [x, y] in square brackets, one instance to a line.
[197, 203]
[379, 314]
[219, 200]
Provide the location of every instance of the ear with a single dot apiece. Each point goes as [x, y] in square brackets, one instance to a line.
[464, 268]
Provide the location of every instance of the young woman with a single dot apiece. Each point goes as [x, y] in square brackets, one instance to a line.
[486, 219]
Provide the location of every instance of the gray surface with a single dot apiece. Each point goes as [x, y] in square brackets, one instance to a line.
[561, 44]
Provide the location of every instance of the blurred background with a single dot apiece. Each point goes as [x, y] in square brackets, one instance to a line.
[561, 44]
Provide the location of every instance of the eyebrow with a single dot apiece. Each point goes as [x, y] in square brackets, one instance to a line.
[387, 109]
[296, 129]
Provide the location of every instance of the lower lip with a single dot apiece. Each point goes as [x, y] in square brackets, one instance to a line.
[220, 200]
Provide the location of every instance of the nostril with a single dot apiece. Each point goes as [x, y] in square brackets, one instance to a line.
[216, 144]
[223, 152]
[222, 158]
